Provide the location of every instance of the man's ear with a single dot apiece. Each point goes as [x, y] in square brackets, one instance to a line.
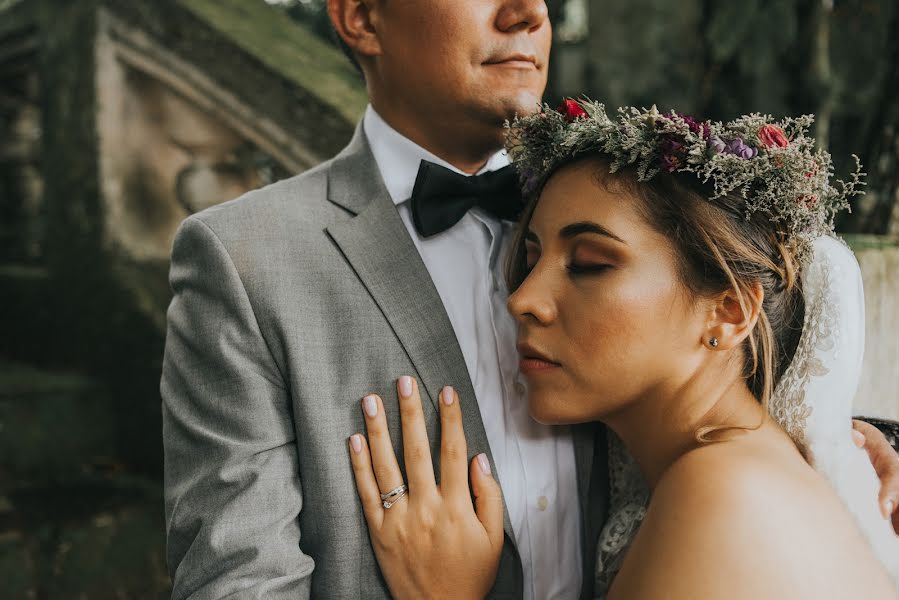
[730, 320]
[355, 21]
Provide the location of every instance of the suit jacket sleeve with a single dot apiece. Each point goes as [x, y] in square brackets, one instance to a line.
[232, 484]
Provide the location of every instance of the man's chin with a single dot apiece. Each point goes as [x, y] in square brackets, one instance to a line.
[521, 104]
[505, 107]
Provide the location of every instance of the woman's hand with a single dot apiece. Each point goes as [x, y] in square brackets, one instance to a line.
[431, 543]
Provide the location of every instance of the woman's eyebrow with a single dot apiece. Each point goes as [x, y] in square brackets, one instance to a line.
[569, 231]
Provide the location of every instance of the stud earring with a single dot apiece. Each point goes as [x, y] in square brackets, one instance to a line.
[713, 342]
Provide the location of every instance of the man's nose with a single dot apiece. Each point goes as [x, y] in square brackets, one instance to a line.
[517, 15]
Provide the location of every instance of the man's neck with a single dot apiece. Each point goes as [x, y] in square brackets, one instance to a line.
[466, 148]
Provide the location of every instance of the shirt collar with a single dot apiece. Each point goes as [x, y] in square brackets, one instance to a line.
[398, 157]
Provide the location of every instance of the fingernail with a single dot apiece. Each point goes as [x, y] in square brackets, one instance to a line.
[888, 509]
[484, 464]
[405, 386]
[447, 395]
[370, 406]
[858, 438]
[356, 443]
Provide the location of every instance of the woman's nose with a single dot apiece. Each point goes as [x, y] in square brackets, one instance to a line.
[532, 301]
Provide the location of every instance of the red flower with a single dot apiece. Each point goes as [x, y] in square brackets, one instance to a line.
[572, 110]
[772, 135]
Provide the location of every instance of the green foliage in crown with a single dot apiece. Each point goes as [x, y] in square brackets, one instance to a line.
[773, 165]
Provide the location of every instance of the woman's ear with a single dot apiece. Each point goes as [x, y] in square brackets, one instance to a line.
[733, 316]
[355, 21]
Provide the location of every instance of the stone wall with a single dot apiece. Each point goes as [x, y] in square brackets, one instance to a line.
[878, 393]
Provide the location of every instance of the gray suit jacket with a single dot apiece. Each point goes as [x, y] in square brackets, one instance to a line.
[291, 303]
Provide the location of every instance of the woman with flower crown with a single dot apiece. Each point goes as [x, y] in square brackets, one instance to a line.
[678, 281]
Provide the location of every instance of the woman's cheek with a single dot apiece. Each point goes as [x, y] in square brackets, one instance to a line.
[626, 326]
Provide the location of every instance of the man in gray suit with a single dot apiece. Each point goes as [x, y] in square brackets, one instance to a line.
[293, 302]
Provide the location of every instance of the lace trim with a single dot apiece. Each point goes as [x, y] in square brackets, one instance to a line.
[628, 498]
[819, 332]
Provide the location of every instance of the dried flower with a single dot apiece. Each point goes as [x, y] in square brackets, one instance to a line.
[717, 144]
[772, 135]
[738, 147]
[790, 182]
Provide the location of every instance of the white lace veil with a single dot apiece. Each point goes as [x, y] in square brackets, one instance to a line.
[812, 402]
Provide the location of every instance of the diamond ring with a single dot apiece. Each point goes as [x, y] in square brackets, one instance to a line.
[393, 496]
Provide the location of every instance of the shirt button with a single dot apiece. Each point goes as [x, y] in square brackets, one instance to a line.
[542, 503]
[519, 388]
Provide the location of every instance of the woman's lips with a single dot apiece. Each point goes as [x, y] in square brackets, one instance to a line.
[535, 365]
[534, 360]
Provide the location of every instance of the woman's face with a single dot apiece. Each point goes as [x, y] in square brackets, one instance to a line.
[603, 318]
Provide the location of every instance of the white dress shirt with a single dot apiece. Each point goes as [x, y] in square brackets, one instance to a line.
[534, 463]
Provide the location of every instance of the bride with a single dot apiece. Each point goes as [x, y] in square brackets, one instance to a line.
[677, 281]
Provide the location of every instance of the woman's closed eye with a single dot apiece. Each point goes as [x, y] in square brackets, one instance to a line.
[587, 268]
[588, 258]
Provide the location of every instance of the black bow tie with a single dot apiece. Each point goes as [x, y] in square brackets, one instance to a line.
[441, 197]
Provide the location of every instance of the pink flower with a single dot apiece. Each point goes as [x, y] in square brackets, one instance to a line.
[572, 110]
[772, 135]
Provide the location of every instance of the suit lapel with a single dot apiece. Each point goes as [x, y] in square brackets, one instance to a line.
[591, 462]
[584, 446]
[377, 246]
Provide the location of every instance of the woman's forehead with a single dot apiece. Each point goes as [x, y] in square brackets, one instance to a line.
[575, 194]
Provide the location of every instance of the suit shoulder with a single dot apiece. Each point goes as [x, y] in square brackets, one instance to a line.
[300, 200]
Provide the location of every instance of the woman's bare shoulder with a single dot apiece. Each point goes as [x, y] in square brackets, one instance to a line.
[742, 520]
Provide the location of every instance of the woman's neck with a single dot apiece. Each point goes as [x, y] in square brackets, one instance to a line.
[660, 428]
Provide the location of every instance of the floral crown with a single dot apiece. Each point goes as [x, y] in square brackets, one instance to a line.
[773, 165]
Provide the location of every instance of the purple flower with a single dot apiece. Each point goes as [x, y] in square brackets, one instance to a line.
[670, 146]
[672, 154]
[739, 148]
[670, 163]
[717, 144]
[695, 126]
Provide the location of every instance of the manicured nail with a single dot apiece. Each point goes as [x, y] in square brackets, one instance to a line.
[356, 443]
[405, 386]
[484, 464]
[858, 438]
[447, 395]
[370, 406]
[888, 509]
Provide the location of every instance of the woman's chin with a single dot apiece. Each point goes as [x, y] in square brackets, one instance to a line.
[549, 414]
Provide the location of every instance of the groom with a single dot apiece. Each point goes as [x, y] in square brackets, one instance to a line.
[295, 300]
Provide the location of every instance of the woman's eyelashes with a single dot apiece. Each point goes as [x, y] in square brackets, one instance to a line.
[573, 267]
[587, 269]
